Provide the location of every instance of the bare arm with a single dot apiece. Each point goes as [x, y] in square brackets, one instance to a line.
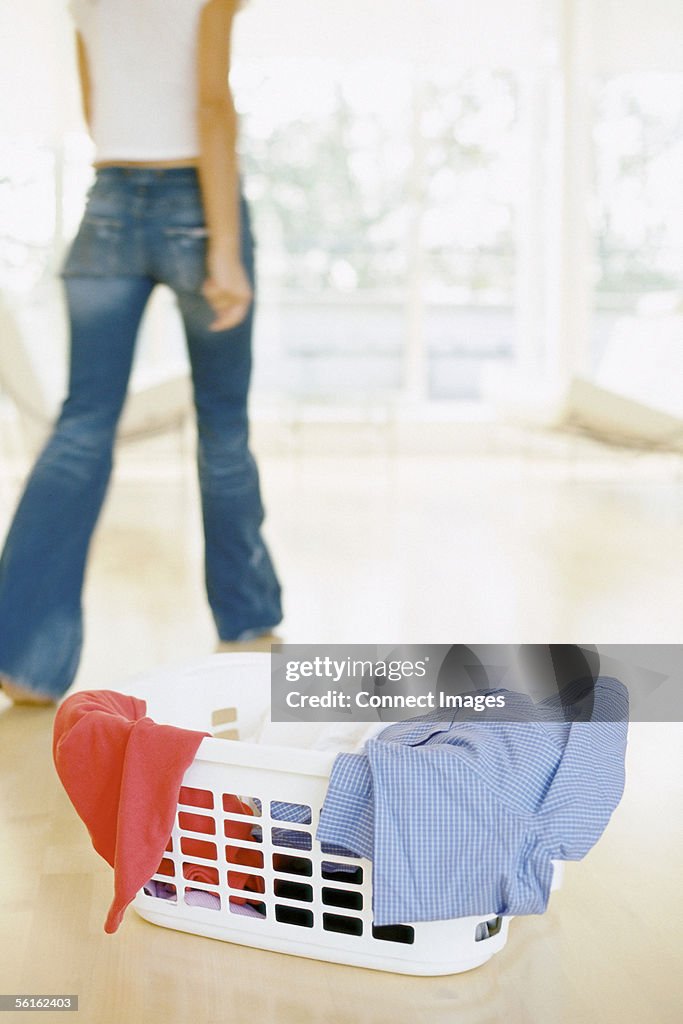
[84, 76]
[227, 287]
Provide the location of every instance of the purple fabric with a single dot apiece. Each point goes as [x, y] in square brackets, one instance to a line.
[198, 898]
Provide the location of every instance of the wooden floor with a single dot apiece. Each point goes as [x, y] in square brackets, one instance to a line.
[608, 950]
[376, 549]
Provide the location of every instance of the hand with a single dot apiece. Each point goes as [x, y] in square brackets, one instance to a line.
[227, 289]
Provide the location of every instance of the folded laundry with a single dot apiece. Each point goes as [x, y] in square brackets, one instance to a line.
[464, 818]
[122, 772]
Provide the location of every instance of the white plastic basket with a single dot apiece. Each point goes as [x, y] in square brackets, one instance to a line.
[308, 910]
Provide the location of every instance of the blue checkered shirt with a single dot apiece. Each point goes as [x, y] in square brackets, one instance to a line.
[464, 818]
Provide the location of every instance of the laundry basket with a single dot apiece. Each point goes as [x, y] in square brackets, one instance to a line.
[313, 904]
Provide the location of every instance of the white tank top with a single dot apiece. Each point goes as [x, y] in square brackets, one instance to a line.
[142, 57]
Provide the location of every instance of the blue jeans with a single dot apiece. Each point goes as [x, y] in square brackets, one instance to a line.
[141, 227]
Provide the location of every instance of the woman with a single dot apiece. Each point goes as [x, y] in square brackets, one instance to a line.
[166, 207]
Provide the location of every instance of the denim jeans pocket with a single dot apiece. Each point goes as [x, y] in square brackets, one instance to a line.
[101, 248]
[186, 248]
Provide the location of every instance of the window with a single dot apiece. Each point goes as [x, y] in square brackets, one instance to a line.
[638, 321]
[405, 175]
[383, 198]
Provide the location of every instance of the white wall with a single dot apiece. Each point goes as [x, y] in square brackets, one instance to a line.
[638, 35]
[37, 73]
[483, 31]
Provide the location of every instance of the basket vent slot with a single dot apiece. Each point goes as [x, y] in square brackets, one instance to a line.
[293, 890]
[162, 891]
[202, 898]
[198, 848]
[196, 823]
[342, 898]
[219, 719]
[347, 873]
[343, 924]
[223, 716]
[243, 855]
[201, 873]
[232, 804]
[299, 814]
[196, 797]
[235, 829]
[252, 910]
[293, 865]
[487, 929]
[294, 915]
[244, 882]
[394, 933]
[296, 840]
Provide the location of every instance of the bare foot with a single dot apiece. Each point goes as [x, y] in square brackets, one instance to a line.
[20, 695]
[261, 643]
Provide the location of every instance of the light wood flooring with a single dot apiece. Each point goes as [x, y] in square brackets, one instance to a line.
[413, 549]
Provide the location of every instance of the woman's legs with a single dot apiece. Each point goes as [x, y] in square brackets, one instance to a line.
[242, 587]
[43, 562]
